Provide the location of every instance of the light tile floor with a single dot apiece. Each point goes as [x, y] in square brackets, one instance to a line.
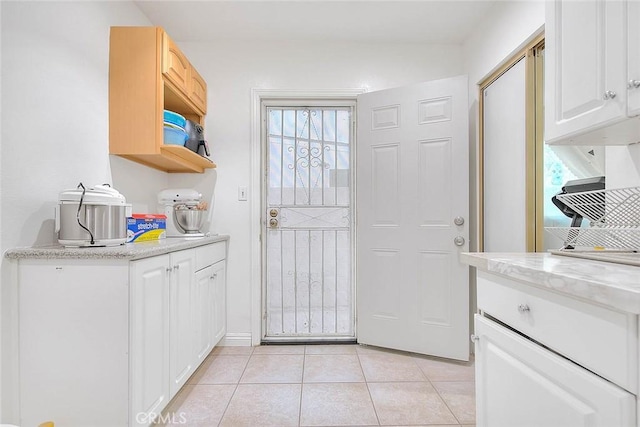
[325, 385]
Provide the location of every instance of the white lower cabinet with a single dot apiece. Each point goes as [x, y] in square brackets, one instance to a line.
[203, 312]
[150, 346]
[220, 301]
[519, 383]
[110, 342]
[210, 308]
[545, 359]
[181, 338]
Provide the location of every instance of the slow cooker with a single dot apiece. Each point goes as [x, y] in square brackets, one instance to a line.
[89, 217]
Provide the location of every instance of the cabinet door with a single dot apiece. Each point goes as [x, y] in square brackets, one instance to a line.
[182, 355]
[198, 90]
[203, 309]
[220, 301]
[585, 75]
[175, 66]
[519, 383]
[149, 338]
[633, 58]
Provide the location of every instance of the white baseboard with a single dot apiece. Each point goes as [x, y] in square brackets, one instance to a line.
[236, 340]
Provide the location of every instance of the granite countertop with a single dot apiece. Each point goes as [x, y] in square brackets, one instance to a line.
[128, 251]
[614, 285]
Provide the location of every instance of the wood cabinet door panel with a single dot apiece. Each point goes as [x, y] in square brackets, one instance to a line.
[175, 65]
[198, 90]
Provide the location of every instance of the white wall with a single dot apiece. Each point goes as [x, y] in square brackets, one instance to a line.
[54, 128]
[232, 69]
[623, 166]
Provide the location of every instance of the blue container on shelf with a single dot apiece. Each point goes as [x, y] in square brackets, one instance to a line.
[174, 119]
[174, 136]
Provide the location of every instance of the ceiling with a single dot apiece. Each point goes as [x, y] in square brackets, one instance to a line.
[391, 21]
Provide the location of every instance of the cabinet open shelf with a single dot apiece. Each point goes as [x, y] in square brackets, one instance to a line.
[148, 74]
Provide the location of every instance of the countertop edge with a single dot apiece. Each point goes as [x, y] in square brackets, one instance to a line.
[128, 251]
[613, 285]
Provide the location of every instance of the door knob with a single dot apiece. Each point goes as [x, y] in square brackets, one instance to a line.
[634, 84]
[459, 240]
[458, 220]
[609, 94]
[273, 222]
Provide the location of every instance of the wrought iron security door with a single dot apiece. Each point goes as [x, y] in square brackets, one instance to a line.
[308, 275]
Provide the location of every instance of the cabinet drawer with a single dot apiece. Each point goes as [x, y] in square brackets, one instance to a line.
[210, 254]
[602, 340]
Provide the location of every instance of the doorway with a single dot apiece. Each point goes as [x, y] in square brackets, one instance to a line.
[308, 275]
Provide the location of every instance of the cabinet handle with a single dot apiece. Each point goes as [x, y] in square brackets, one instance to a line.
[633, 84]
[609, 94]
[176, 267]
[474, 338]
[523, 308]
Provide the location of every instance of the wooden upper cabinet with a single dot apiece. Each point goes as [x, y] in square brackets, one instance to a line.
[148, 74]
[197, 89]
[175, 66]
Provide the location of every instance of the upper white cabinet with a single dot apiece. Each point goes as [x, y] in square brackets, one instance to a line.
[633, 61]
[588, 98]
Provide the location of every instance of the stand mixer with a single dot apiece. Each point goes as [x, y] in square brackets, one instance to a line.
[185, 212]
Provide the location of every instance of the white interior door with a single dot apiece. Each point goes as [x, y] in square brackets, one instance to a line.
[412, 191]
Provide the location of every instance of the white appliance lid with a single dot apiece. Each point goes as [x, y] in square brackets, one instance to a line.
[100, 194]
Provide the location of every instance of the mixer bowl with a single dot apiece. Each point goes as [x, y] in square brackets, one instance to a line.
[188, 218]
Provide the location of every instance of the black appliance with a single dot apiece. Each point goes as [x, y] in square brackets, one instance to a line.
[579, 186]
[195, 139]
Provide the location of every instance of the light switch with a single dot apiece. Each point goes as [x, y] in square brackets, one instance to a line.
[242, 194]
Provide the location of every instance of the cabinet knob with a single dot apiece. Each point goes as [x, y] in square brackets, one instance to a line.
[633, 84]
[609, 94]
[474, 338]
[168, 269]
[458, 241]
[458, 220]
[176, 267]
[523, 308]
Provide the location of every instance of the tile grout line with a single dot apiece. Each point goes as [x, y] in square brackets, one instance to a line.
[304, 359]
[444, 401]
[437, 392]
[235, 390]
[366, 382]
